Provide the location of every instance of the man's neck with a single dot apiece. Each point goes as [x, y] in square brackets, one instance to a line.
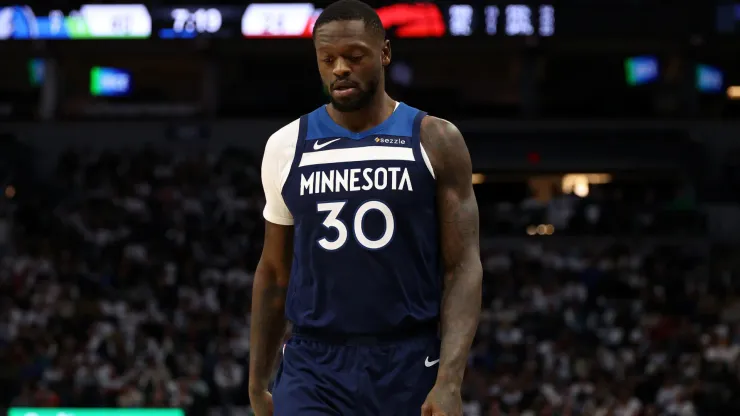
[376, 112]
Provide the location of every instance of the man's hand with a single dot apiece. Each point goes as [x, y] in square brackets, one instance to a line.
[443, 400]
[261, 403]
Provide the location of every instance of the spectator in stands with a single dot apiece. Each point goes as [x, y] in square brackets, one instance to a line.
[229, 378]
[135, 293]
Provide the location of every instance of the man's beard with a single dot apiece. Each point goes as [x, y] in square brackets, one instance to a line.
[363, 98]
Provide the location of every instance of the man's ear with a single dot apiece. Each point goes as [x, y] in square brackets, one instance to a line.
[385, 55]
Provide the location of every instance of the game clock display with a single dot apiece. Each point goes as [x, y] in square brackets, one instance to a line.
[187, 22]
[403, 20]
[452, 19]
[266, 20]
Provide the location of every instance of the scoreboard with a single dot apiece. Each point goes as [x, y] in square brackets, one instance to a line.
[419, 20]
[265, 20]
[403, 20]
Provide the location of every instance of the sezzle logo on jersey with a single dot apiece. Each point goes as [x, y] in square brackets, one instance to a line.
[390, 140]
[352, 180]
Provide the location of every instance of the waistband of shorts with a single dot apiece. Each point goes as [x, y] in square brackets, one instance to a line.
[418, 330]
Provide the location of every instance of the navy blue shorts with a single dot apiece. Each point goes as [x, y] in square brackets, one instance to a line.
[355, 377]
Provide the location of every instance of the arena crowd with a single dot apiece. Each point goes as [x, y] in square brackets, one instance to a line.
[125, 281]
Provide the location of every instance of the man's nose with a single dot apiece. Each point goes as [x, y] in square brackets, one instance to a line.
[341, 69]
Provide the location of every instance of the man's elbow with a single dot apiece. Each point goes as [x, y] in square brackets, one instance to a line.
[270, 270]
[474, 276]
[469, 270]
[473, 262]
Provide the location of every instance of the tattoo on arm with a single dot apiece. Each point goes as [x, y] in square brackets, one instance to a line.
[459, 243]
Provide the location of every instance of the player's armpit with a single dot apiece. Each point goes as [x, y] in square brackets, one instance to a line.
[268, 303]
[460, 244]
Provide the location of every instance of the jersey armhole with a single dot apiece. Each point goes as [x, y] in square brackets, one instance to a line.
[427, 162]
[417, 138]
[297, 152]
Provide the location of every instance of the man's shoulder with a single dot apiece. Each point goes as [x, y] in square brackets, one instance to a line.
[286, 135]
[280, 147]
[435, 127]
[442, 140]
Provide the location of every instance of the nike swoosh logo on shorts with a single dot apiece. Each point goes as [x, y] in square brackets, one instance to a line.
[317, 146]
[430, 363]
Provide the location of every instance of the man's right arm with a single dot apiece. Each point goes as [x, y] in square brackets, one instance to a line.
[273, 271]
[268, 303]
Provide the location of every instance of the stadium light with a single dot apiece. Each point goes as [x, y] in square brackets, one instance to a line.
[733, 92]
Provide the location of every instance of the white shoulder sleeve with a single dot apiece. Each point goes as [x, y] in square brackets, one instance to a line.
[276, 163]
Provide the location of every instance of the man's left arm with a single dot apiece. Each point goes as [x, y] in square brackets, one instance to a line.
[460, 245]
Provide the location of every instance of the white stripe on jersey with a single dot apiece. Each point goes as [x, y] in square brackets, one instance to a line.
[357, 154]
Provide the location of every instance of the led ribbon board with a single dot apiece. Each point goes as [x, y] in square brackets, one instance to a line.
[31, 411]
[91, 21]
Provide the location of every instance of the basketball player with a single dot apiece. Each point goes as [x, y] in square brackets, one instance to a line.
[371, 246]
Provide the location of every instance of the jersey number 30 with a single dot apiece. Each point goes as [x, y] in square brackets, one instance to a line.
[332, 221]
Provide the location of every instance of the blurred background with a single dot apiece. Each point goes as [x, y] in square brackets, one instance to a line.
[604, 137]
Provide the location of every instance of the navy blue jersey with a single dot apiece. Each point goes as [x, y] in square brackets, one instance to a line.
[366, 246]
